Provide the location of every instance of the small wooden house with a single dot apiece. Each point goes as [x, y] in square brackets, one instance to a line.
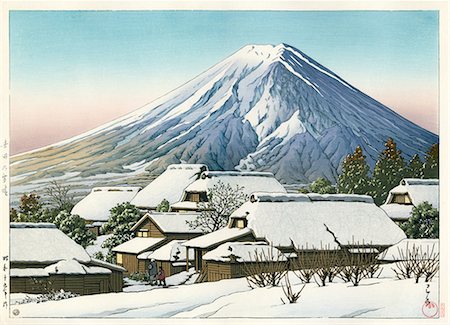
[44, 259]
[235, 259]
[172, 257]
[169, 185]
[249, 182]
[152, 231]
[301, 222]
[94, 208]
[203, 244]
[408, 194]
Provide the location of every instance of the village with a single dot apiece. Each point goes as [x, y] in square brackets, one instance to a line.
[193, 225]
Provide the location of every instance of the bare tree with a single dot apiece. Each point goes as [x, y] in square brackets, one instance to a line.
[415, 262]
[288, 292]
[59, 197]
[265, 269]
[223, 200]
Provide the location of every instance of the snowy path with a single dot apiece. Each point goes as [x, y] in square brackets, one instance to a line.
[383, 297]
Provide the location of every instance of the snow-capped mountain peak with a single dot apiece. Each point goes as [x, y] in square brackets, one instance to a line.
[265, 107]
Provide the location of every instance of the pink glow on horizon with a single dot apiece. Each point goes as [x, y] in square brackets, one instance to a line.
[39, 119]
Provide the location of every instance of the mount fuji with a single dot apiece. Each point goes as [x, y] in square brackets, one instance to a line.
[264, 108]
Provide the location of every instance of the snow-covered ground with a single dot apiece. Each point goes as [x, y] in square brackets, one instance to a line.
[97, 246]
[379, 297]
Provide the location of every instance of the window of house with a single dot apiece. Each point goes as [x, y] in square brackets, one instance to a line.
[119, 259]
[239, 223]
[401, 199]
[142, 233]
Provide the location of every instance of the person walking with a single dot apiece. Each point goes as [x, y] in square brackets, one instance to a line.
[152, 272]
[162, 277]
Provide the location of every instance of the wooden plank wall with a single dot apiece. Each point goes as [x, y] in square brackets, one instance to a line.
[79, 284]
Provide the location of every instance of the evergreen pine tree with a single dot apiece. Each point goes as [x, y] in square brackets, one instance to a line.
[388, 172]
[164, 206]
[322, 186]
[431, 166]
[423, 223]
[354, 178]
[75, 227]
[414, 168]
[122, 218]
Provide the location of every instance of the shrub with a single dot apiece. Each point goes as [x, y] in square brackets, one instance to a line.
[266, 269]
[423, 223]
[416, 262]
[291, 296]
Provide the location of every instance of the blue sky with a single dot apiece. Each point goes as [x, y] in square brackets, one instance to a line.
[113, 62]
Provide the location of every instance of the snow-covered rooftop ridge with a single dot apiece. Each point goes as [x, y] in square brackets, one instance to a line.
[419, 181]
[32, 225]
[419, 190]
[307, 223]
[217, 237]
[186, 167]
[211, 174]
[97, 204]
[169, 185]
[310, 197]
[170, 222]
[244, 252]
[173, 251]
[74, 267]
[116, 189]
[250, 182]
[340, 197]
[45, 244]
[137, 245]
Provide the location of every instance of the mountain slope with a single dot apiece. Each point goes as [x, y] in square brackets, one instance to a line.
[265, 108]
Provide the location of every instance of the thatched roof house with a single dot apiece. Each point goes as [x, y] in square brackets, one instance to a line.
[307, 222]
[169, 185]
[411, 192]
[152, 231]
[249, 182]
[41, 252]
[96, 205]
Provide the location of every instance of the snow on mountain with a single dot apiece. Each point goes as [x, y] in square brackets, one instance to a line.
[264, 108]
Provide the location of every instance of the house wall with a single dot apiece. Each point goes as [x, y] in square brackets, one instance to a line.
[130, 263]
[153, 230]
[168, 268]
[79, 284]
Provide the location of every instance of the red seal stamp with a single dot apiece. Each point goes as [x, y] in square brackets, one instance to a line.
[430, 309]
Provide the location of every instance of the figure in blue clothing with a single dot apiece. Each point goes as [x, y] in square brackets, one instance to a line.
[152, 272]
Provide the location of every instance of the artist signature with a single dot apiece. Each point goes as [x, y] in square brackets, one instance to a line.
[429, 309]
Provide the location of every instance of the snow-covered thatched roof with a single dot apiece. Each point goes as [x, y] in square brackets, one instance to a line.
[244, 252]
[398, 212]
[169, 185]
[217, 237]
[170, 222]
[62, 267]
[250, 181]
[425, 247]
[43, 243]
[173, 251]
[137, 245]
[96, 262]
[96, 205]
[301, 219]
[419, 190]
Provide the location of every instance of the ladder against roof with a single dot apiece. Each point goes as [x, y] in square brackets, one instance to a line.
[203, 277]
